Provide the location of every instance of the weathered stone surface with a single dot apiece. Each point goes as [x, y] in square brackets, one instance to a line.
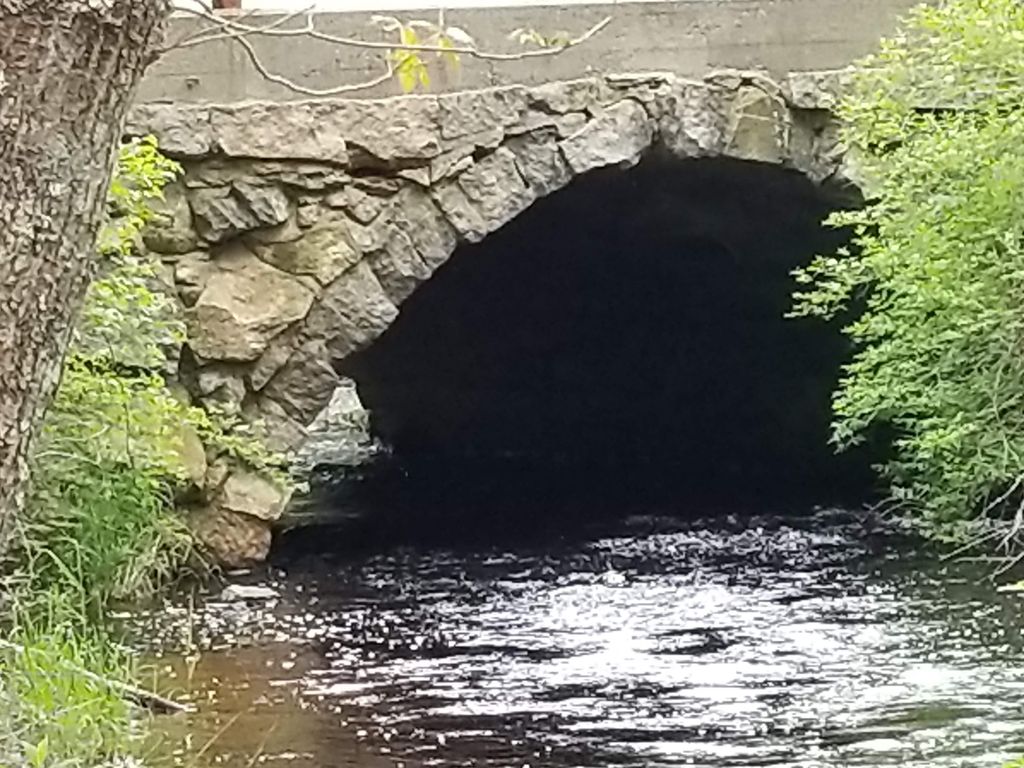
[224, 212]
[216, 473]
[300, 176]
[170, 230]
[274, 356]
[193, 455]
[268, 204]
[451, 163]
[381, 186]
[414, 213]
[362, 206]
[295, 131]
[251, 493]
[287, 232]
[272, 424]
[340, 131]
[191, 271]
[307, 214]
[324, 251]
[387, 130]
[757, 126]
[220, 214]
[183, 130]
[815, 147]
[304, 384]
[485, 196]
[304, 176]
[540, 163]
[570, 96]
[817, 90]
[353, 311]
[222, 386]
[245, 304]
[619, 134]
[399, 266]
[563, 125]
[691, 119]
[231, 539]
[470, 112]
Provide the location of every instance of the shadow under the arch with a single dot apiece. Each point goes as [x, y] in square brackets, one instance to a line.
[619, 347]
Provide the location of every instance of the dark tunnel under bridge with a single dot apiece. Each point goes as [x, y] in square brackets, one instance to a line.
[621, 342]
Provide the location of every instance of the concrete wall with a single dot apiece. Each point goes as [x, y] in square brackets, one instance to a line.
[688, 37]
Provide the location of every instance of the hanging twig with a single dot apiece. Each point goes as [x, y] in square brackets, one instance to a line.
[232, 29]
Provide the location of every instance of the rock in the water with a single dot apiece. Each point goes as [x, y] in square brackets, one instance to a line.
[243, 306]
[234, 593]
[232, 539]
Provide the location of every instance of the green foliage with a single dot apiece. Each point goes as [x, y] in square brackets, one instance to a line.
[110, 448]
[934, 124]
[51, 714]
[99, 524]
[411, 66]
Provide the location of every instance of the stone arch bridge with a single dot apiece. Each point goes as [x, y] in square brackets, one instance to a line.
[300, 228]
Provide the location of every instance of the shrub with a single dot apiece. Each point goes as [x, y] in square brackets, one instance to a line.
[934, 126]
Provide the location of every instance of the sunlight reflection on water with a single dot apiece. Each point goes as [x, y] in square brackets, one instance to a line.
[666, 644]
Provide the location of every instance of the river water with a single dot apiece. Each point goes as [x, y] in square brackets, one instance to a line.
[812, 641]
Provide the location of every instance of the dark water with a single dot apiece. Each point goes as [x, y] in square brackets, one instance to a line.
[803, 642]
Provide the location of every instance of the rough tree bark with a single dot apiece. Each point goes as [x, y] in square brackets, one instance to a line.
[68, 73]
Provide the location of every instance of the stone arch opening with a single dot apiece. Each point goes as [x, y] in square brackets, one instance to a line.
[302, 233]
[622, 338]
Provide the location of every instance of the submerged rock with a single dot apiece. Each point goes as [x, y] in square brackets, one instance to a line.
[238, 592]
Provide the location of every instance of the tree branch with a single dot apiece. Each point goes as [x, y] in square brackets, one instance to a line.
[233, 29]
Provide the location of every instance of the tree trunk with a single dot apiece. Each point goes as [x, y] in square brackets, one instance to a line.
[68, 73]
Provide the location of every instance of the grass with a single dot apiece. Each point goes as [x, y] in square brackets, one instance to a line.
[51, 714]
[82, 545]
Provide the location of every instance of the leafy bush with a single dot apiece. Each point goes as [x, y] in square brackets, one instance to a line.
[111, 445]
[934, 124]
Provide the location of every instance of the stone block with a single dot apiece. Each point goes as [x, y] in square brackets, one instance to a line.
[170, 230]
[618, 134]
[353, 311]
[230, 539]
[254, 494]
[303, 386]
[243, 306]
[484, 197]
